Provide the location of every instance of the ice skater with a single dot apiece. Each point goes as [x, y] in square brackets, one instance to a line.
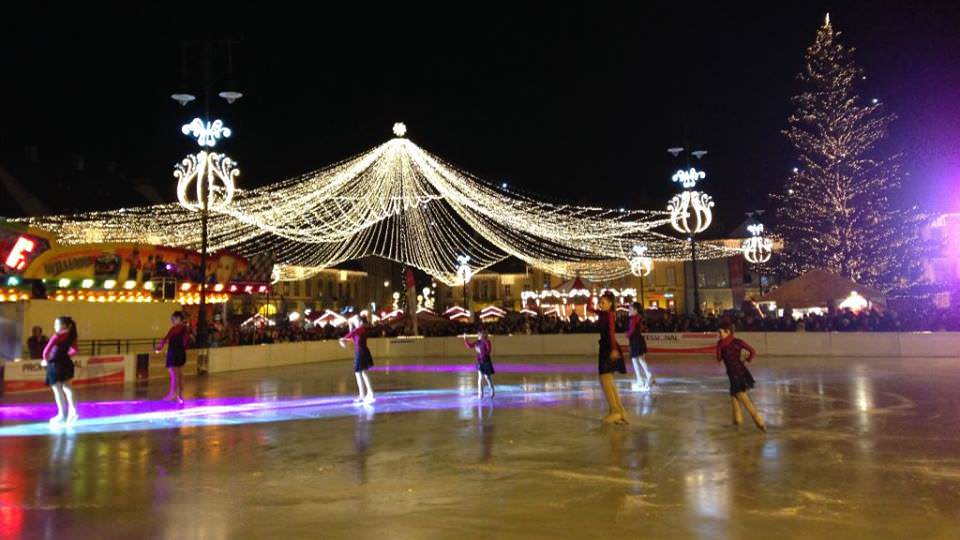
[638, 348]
[176, 340]
[57, 359]
[484, 362]
[730, 353]
[362, 360]
[610, 359]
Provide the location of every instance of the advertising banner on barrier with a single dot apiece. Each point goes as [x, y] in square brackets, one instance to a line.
[30, 375]
[681, 343]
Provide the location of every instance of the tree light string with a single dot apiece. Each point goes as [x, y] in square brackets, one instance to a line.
[398, 202]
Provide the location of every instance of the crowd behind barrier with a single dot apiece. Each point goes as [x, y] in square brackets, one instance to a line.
[749, 320]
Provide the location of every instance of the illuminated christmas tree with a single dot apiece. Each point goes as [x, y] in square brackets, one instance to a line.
[836, 211]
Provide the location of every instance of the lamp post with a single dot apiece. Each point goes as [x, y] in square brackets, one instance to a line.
[464, 274]
[757, 249]
[691, 213]
[640, 266]
[213, 172]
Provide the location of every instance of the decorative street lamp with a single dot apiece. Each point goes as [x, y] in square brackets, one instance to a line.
[464, 274]
[691, 213]
[757, 249]
[213, 173]
[640, 266]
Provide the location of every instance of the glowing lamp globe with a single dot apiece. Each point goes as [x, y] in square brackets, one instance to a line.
[691, 211]
[399, 129]
[757, 249]
[206, 179]
[464, 273]
[640, 264]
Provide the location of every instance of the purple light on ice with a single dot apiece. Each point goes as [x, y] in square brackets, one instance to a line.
[499, 367]
[144, 415]
[103, 409]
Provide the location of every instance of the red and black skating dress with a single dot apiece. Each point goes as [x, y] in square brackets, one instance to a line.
[608, 341]
[729, 351]
[362, 359]
[638, 345]
[57, 353]
[483, 348]
[177, 339]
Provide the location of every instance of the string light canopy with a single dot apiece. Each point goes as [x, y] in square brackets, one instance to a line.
[395, 201]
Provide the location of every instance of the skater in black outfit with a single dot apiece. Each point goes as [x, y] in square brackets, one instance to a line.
[57, 359]
[176, 340]
[730, 352]
[610, 359]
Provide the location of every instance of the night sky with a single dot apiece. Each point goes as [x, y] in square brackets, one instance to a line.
[573, 103]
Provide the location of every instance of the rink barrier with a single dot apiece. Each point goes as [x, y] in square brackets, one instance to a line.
[694, 345]
[89, 370]
[28, 375]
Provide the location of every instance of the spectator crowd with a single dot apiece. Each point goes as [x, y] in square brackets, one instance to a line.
[745, 320]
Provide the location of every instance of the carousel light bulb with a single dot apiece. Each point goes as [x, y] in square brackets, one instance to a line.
[399, 129]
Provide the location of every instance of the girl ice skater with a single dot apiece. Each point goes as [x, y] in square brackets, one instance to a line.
[484, 362]
[729, 352]
[610, 359]
[638, 348]
[56, 358]
[362, 360]
[176, 340]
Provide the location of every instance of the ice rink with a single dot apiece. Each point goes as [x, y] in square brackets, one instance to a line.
[856, 449]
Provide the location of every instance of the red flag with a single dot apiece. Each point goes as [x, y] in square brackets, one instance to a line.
[408, 277]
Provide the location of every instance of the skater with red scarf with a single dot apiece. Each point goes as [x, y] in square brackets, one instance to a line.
[730, 353]
[362, 360]
[610, 359]
[485, 369]
[176, 340]
[57, 359]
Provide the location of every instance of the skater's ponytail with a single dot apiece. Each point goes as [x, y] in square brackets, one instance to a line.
[71, 327]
